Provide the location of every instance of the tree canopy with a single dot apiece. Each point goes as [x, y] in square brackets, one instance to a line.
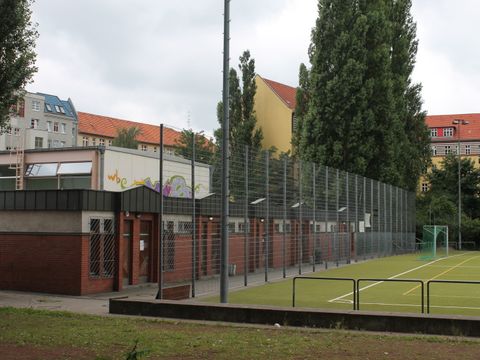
[17, 54]
[357, 107]
[243, 131]
[127, 138]
[204, 148]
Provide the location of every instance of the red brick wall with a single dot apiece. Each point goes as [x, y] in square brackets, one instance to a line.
[44, 263]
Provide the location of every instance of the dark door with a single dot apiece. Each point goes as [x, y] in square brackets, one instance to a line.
[204, 245]
[145, 241]
[127, 252]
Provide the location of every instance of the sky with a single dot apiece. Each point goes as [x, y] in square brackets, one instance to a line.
[159, 61]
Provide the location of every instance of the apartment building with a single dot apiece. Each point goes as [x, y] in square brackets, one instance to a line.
[41, 121]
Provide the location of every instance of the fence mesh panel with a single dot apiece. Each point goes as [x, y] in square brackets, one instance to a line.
[286, 217]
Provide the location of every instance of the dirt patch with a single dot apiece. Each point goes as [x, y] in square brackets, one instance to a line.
[29, 352]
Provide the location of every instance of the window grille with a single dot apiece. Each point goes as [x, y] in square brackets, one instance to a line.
[102, 248]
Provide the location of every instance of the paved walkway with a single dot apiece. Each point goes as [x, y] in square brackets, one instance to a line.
[97, 304]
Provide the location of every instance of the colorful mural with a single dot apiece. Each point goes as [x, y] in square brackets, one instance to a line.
[175, 186]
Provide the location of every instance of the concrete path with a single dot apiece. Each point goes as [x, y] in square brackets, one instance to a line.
[97, 304]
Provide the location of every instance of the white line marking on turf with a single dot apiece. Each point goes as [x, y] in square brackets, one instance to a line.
[394, 277]
[431, 306]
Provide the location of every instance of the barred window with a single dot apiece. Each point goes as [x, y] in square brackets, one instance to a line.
[184, 227]
[102, 248]
[169, 247]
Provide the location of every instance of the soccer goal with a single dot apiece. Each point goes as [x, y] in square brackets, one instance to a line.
[434, 242]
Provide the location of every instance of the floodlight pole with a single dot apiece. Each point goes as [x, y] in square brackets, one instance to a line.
[225, 148]
[459, 122]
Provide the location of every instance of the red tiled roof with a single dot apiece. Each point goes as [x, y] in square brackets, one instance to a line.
[107, 127]
[284, 92]
[471, 131]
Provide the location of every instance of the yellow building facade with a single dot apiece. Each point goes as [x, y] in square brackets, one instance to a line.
[274, 108]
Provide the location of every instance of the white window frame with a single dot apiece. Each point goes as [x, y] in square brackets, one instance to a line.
[63, 128]
[85, 141]
[448, 132]
[35, 105]
[55, 127]
[433, 132]
[468, 150]
[144, 147]
[448, 149]
[49, 126]
[424, 187]
[34, 123]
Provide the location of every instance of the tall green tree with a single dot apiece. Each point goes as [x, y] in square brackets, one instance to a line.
[243, 131]
[302, 98]
[204, 148]
[17, 54]
[412, 130]
[127, 138]
[444, 182]
[363, 113]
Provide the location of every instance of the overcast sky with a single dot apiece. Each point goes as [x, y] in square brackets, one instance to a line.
[160, 61]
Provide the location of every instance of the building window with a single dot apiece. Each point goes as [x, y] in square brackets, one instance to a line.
[36, 105]
[109, 142]
[38, 142]
[448, 132]
[184, 227]
[85, 141]
[433, 132]
[241, 227]
[468, 151]
[424, 187]
[49, 126]
[48, 107]
[34, 123]
[154, 149]
[55, 127]
[56, 143]
[101, 142]
[62, 144]
[16, 131]
[448, 149]
[62, 110]
[94, 142]
[49, 143]
[231, 227]
[101, 248]
[144, 147]
[434, 150]
[63, 128]
[169, 247]
[57, 108]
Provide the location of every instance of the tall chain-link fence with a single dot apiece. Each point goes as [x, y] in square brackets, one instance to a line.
[286, 217]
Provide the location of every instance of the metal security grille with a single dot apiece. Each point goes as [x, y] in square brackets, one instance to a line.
[102, 248]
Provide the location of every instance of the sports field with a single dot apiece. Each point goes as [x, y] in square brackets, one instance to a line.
[460, 299]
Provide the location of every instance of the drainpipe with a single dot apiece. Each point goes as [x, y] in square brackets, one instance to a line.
[101, 150]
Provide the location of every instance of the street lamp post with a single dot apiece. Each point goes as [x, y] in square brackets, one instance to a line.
[459, 122]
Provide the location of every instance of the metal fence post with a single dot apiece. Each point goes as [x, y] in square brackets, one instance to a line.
[267, 215]
[300, 240]
[327, 240]
[372, 217]
[364, 219]
[348, 219]
[160, 218]
[379, 221]
[194, 244]
[337, 248]
[246, 228]
[314, 217]
[357, 230]
[284, 238]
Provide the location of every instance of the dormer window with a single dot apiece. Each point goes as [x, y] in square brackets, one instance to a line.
[62, 110]
[57, 108]
[448, 132]
[48, 107]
